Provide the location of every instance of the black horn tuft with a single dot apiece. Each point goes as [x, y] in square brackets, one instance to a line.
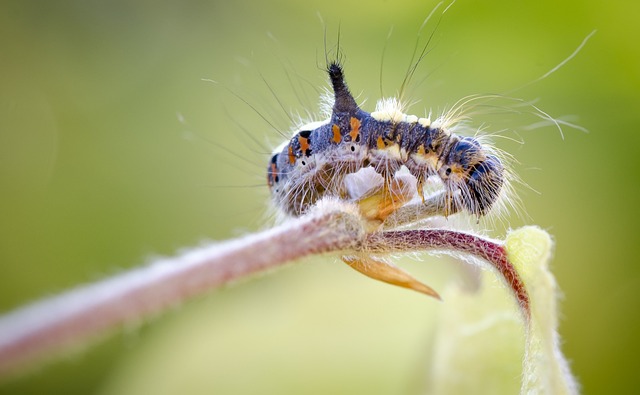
[344, 101]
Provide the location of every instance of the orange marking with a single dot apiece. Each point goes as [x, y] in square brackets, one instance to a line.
[271, 177]
[337, 137]
[421, 150]
[380, 143]
[292, 157]
[355, 128]
[304, 144]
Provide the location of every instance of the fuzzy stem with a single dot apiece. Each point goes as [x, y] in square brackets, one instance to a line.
[416, 212]
[447, 240]
[73, 318]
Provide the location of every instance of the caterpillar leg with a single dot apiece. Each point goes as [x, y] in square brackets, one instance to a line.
[388, 273]
[420, 186]
[393, 194]
[448, 204]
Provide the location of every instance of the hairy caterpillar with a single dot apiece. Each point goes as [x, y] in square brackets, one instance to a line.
[320, 158]
[315, 161]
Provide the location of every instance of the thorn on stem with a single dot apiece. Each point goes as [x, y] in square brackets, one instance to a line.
[388, 273]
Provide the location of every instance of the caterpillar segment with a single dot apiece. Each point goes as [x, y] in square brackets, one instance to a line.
[314, 163]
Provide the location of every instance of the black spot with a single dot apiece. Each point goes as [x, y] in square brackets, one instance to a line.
[448, 171]
[305, 133]
[353, 149]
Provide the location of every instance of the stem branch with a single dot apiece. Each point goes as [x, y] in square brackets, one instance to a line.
[447, 240]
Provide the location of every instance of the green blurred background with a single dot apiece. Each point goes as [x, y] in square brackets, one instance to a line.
[109, 155]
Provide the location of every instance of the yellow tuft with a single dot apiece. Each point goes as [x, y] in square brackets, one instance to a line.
[425, 122]
[389, 109]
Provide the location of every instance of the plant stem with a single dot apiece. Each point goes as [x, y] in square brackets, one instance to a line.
[447, 240]
[73, 318]
[52, 325]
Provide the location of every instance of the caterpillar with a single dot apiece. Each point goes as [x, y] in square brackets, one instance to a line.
[315, 162]
[320, 158]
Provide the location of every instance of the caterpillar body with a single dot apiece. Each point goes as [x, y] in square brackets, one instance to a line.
[321, 158]
[315, 162]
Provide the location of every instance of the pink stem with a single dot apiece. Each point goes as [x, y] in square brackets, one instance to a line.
[448, 240]
[42, 328]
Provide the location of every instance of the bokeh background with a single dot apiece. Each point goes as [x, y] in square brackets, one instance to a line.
[115, 146]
